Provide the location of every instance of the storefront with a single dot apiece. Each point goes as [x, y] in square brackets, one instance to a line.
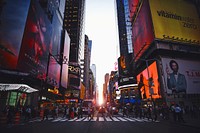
[16, 95]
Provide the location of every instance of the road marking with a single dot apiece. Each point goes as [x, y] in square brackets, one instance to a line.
[94, 119]
[122, 119]
[57, 119]
[115, 119]
[64, 119]
[101, 119]
[80, 119]
[108, 119]
[129, 119]
[72, 119]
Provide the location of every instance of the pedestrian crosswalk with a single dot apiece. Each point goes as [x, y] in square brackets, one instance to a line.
[101, 119]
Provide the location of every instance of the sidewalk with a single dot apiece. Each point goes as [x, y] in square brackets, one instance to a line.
[191, 122]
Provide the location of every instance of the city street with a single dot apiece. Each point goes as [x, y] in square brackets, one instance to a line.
[99, 124]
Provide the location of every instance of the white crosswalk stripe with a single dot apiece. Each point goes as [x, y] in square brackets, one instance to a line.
[101, 119]
[80, 119]
[122, 119]
[94, 119]
[108, 119]
[98, 119]
[129, 119]
[115, 119]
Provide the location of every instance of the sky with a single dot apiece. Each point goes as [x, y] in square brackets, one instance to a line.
[100, 27]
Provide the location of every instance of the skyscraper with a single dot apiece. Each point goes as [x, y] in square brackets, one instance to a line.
[74, 24]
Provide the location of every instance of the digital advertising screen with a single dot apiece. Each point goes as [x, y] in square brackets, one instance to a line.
[35, 46]
[142, 30]
[181, 76]
[13, 15]
[149, 74]
[176, 19]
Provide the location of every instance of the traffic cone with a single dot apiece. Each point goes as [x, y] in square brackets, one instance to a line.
[41, 114]
[3, 120]
[17, 118]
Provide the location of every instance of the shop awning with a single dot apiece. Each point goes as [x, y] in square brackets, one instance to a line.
[17, 87]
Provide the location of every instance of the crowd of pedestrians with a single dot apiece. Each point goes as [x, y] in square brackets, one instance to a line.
[174, 112]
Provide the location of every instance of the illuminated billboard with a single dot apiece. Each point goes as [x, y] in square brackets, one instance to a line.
[175, 19]
[35, 46]
[181, 76]
[142, 30]
[125, 69]
[143, 82]
[54, 68]
[13, 15]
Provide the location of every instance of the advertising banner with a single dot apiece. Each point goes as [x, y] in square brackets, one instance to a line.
[35, 46]
[125, 69]
[176, 19]
[13, 14]
[64, 78]
[150, 74]
[142, 31]
[181, 76]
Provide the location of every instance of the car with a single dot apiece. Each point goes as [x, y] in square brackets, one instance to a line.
[102, 109]
[88, 103]
[115, 110]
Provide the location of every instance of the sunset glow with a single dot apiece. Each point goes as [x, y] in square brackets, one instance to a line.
[100, 98]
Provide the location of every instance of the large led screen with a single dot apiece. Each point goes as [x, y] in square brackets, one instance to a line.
[142, 30]
[36, 42]
[54, 68]
[149, 74]
[13, 15]
[176, 19]
[181, 76]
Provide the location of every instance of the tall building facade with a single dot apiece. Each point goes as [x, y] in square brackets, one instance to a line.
[158, 47]
[125, 63]
[124, 27]
[93, 69]
[74, 17]
[86, 64]
[34, 51]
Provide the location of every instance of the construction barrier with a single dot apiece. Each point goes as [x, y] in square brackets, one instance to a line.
[41, 114]
[3, 119]
[17, 118]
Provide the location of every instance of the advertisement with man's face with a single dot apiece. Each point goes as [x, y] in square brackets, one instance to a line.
[13, 15]
[181, 76]
[150, 73]
[142, 30]
[177, 19]
[36, 40]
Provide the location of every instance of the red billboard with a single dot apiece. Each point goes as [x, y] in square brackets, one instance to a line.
[36, 42]
[12, 23]
[142, 30]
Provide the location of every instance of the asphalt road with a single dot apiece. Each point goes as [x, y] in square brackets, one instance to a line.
[99, 124]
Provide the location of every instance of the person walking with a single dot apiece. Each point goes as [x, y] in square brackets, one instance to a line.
[46, 113]
[89, 113]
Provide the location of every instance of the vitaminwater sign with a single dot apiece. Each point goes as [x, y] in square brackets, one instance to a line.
[175, 19]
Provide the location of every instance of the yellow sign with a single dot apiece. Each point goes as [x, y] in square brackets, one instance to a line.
[176, 20]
